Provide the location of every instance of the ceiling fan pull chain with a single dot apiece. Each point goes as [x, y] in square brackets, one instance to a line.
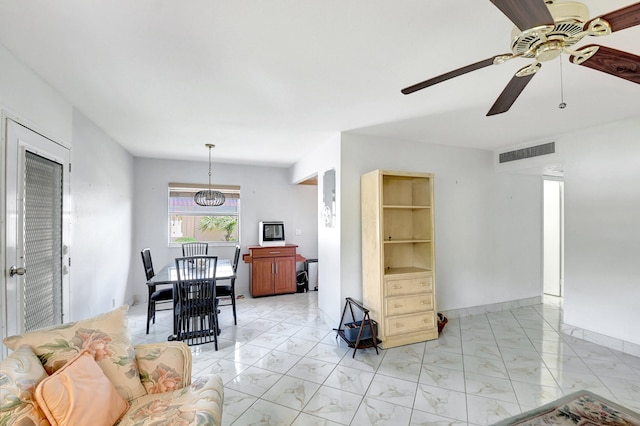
[562, 105]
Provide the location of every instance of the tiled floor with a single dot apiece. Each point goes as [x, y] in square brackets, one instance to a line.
[282, 365]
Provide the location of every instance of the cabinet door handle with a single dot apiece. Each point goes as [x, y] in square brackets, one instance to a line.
[272, 270]
[276, 268]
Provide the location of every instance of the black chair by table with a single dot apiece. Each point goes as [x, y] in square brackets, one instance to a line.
[162, 296]
[195, 314]
[229, 291]
[195, 249]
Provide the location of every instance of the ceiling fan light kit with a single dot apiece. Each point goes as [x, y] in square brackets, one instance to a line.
[550, 29]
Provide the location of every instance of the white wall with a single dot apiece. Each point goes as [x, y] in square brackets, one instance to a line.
[330, 293]
[602, 230]
[488, 225]
[102, 192]
[266, 194]
[30, 99]
[101, 188]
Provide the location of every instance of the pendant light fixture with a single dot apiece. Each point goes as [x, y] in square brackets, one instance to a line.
[208, 197]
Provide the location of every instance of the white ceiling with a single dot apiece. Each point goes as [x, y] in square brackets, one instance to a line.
[267, 81]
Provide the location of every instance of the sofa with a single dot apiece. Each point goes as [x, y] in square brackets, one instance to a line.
[88, 372]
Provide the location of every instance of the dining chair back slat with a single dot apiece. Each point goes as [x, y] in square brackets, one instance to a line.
[156, 296]
[196, 319]
[147, 263]
[195, 249]
[229, 292]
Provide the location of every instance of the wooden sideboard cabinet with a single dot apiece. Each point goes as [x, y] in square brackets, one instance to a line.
[273, 269]
[398, 255]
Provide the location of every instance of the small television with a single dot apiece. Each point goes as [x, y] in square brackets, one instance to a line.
[271, 233]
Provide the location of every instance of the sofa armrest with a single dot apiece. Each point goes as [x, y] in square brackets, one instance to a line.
[201, 403]
[164, 367]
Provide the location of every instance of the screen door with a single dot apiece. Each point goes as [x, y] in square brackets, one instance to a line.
[42, 236]
[35, 239]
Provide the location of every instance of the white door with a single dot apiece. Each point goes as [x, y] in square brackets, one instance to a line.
[553, 272]
[36, 280]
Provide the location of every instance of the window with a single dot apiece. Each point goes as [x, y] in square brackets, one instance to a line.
[191, 222]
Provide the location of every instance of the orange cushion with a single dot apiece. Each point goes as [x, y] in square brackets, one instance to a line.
[80, 394]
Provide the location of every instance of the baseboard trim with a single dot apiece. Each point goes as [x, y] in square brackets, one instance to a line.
[567, 329]
[494, 307]
[601, 339]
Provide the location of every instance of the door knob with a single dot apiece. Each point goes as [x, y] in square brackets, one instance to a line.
[17, 271]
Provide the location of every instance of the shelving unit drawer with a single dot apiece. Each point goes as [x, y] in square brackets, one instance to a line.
[273, 251]
[408, 304]
[402, 287]
[403, 324]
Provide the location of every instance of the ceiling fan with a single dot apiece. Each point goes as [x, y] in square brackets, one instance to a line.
[550, 29]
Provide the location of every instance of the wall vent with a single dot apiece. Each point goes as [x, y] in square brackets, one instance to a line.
[531, 151]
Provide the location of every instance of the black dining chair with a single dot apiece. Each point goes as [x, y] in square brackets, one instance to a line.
[229, 292]
[156, 296]
[195, 314]
[195, 249]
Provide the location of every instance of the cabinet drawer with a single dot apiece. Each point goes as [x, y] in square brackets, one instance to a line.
[403, 324]
[408, 304]
[273, 252]
[401, 287]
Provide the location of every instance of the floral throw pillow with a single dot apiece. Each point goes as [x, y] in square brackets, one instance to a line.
[20, 373]
[105, 336]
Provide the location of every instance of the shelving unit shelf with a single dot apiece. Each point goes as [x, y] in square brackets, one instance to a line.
[399, 255]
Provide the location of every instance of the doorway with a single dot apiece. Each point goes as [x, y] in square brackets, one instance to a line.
[35, 286]
[553, 238]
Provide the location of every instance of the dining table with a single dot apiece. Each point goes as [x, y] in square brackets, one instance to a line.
[169, 276]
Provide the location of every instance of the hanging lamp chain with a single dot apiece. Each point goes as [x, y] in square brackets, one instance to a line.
[209, 197]
[210, 167]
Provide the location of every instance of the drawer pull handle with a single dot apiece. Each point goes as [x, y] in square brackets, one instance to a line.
[397, 287]
[425, 320]
[399, 325]
[423, 283]
[397, 306]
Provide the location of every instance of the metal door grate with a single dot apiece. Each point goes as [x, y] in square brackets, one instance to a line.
[42, 242]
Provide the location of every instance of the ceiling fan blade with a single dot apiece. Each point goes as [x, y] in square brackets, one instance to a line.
[611, 61]
[525, 14]
[622, 18]
[513, 89]
[452, 74]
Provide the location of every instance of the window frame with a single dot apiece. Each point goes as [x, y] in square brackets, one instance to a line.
[230, 191]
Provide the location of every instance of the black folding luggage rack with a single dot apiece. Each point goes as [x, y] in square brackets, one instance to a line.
[359, 343]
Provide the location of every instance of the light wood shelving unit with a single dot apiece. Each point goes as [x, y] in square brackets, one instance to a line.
[398, 255]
